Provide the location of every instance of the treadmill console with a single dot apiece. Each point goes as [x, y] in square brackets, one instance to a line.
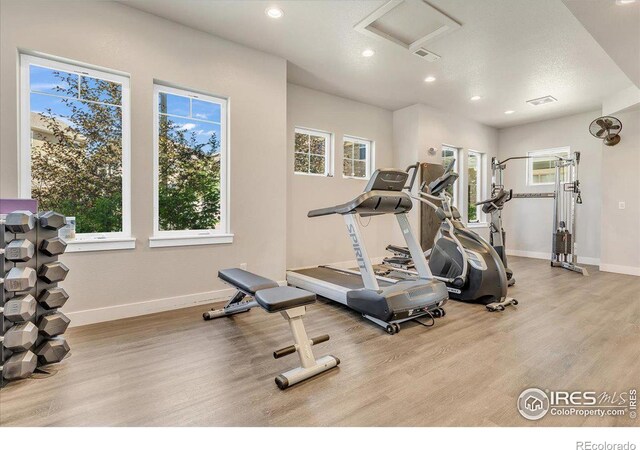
[387, 180]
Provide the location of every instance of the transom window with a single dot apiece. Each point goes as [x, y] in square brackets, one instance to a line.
[475, 183]
[541, 169]
[312, 152]
[75, 144]
[190, 164]
[357, 158]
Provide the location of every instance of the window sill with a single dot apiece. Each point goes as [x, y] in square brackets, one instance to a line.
[183, 241]
[478, 225]
[98, 245]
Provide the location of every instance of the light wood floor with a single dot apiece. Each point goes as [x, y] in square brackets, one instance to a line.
[569, 332]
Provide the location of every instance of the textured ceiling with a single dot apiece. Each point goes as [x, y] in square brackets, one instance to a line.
[507, 51]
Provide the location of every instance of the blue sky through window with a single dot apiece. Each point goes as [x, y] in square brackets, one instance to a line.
[199, 118]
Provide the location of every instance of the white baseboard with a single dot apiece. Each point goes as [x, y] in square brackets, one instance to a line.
[545, 255]
[625, 270]
[115, 312]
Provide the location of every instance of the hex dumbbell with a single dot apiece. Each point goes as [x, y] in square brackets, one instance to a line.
[18, 250]
[52, 350]
[53, 272]
[53, 298]
[53, 324]
[19, 365]
[52, 220]
[20, 337]
[19, 309]
[19, 279]
[54, 246]
[20, 222]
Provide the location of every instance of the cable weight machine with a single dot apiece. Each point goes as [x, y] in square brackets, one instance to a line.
[566, 196]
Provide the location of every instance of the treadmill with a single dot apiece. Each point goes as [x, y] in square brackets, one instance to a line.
[384, 301]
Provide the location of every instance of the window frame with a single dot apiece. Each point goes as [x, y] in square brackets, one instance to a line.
[456, 167]
[328, 152]
[480, 185]
[541, 153]
[84, 241]
[176, 238]
[368, 162]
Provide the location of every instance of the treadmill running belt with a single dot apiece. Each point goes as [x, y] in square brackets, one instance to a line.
[347, 280]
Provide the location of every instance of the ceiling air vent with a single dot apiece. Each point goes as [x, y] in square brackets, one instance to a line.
[411, 24]
[426, 54]
[542, 100]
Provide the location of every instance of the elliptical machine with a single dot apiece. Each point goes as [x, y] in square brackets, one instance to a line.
[497, 235]
[470, 267]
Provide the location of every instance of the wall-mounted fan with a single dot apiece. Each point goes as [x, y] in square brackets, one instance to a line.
[606, 128]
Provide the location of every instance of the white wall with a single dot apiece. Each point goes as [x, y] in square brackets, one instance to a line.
[418, 127]
[117, 37]
[620, 238]
[324, 240]
[529, 222]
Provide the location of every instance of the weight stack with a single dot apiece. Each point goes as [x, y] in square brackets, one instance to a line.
[32, 323]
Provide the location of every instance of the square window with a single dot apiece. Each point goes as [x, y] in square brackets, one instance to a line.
[541, 166]
[312, 152]
[357, 158]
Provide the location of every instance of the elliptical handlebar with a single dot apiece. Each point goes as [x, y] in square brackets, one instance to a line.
[414, 167]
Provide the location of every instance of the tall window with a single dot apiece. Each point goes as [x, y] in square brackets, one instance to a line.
[541, 169]
[449, 154]
[475, 183]
[190, 165]
[312, 152]
[357, 158]
[75, 144]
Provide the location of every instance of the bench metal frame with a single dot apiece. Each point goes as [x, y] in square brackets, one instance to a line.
[243, 301]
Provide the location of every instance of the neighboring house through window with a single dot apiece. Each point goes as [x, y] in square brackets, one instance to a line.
[312, 152]
[541, 168]
[74, 144]
[357, 158]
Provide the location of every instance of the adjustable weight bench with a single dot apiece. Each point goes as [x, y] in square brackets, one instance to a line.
[254, 290]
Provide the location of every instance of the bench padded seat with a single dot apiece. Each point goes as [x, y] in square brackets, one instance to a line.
[284, 297]
[246, 281]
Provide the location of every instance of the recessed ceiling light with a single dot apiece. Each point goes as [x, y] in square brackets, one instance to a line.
[475, 98]
[368, 53]
[274, 13]
[430, 79]
[624, 2]
[509, 112]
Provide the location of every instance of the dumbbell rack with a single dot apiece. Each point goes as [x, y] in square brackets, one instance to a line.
[33, 354]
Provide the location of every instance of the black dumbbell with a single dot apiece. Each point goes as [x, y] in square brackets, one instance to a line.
[53, 324]
[19, 365]
[52, 350]
[19, 309]
[52, 220]
[53, 272]
[53, 298]
[54, 246]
